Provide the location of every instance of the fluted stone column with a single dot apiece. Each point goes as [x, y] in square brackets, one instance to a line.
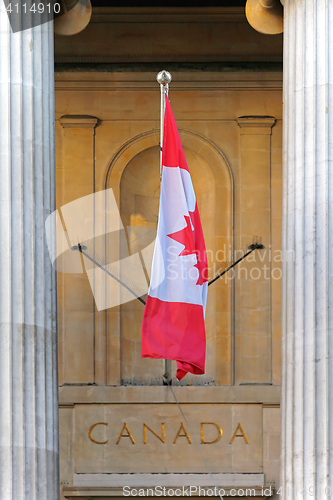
[28, 355]
[307, 359]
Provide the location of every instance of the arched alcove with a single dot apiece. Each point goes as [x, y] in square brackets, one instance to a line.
[133, 175]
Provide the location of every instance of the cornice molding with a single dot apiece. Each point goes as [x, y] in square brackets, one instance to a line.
[256, 125]
[182, 81]
[168, 14]
[78, 121]
[166, 58]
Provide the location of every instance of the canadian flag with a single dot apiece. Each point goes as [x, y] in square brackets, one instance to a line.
[174, 317]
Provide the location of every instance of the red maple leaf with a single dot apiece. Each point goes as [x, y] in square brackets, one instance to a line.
[186, 237]
[203, 273]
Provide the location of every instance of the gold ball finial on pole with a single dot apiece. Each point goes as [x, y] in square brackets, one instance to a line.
[164, 77]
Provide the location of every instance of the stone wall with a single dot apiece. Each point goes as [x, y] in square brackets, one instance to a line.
[231, 132]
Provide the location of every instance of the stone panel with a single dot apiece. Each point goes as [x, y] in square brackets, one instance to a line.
[128, 449]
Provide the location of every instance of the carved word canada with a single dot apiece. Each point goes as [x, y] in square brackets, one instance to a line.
[181, 435]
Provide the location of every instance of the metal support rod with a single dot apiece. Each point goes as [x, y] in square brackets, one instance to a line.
[167, 377]
[81, 250]
[254, 246]
[164, 78]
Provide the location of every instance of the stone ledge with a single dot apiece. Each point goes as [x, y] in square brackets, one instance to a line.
[262, 394]
[171, 480]
[72, 493]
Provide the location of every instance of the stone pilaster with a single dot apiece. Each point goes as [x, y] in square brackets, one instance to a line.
[253, 284]
[78, 319]
[28, 353]
[307, 291]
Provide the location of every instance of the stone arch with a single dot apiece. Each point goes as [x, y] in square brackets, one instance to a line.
[219, 315]
[192, 140]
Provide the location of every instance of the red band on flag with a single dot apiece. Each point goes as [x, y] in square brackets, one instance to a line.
[182, 340]
[173, 153]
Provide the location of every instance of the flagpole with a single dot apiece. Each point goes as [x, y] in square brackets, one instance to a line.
[164, 78]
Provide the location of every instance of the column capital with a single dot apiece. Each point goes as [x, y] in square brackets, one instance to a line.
[256, 125]
[78, 121]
